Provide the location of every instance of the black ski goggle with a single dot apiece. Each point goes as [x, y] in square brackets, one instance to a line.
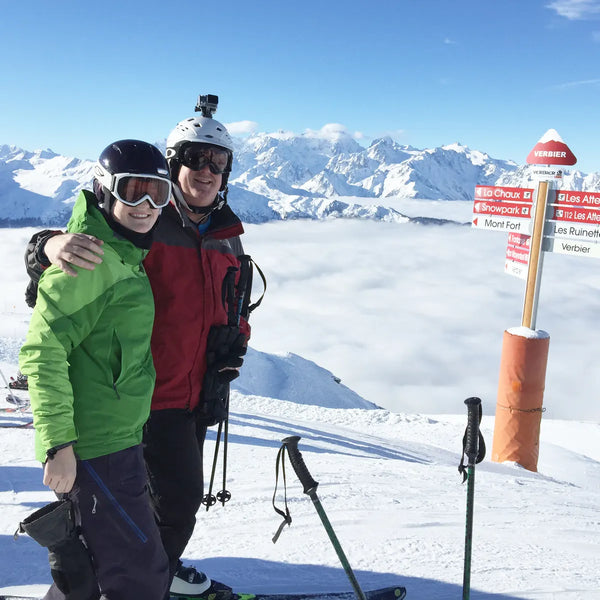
[133, 189]
[196, 157]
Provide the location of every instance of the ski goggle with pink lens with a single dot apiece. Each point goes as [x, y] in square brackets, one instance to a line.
[197, 156]
[134, 189]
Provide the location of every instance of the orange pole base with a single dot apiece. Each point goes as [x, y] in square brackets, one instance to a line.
[520, 396]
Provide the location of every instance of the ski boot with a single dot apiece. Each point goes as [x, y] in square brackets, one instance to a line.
[190, 583]
[20, 383]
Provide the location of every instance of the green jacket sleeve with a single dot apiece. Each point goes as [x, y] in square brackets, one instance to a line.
[67, 310]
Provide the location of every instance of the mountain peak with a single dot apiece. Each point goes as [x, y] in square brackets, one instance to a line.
[285, 175]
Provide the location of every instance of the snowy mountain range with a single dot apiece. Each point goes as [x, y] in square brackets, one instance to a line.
[281, 175]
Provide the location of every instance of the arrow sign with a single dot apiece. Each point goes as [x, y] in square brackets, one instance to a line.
[551, 150]
[573, 247]
[572, 214]
[502, 194]
[517, 255]
[557, 229]
[585, 199]
[503, 209]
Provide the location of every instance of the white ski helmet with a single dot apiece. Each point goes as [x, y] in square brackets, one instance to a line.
[197, 130]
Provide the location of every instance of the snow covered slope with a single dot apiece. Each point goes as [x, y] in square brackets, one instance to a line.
[388, 480]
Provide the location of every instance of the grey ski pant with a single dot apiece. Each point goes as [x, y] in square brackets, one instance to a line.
[111, 500]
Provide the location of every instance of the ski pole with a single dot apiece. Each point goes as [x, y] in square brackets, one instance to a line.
[209, 499]
[310, 488]
[225, 495]
[471, 449]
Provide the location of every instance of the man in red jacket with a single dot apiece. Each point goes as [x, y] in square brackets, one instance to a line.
[193, 267]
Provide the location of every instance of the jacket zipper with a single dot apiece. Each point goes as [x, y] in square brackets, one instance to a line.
[132, 524]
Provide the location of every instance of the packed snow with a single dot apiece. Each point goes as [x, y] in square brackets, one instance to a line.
[409, 316]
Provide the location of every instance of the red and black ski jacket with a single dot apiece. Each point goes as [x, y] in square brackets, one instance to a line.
[187, 272]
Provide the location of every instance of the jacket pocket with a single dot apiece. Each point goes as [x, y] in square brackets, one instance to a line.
[116, 361]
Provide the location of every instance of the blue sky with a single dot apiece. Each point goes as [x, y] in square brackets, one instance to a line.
[493, 75]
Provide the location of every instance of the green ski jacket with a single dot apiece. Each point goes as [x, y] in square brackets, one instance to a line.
[87, 352]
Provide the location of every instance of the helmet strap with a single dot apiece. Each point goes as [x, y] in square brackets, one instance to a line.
[104, 197]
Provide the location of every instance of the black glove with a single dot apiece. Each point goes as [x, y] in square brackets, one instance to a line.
[225, 347]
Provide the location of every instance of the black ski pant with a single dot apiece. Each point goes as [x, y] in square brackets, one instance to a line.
[173, 446]
[110, 498]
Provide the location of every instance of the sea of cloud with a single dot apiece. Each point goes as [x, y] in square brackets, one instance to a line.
[409, 316]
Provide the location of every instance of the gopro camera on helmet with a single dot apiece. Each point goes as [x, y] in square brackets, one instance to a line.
[207, 104]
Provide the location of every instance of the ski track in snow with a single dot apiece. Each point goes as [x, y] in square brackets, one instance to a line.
[390, 486]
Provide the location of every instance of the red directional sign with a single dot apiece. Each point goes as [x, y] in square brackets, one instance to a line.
[517, 254]
[576, 215]
[503, 209]
[519, 240]
[551, 150]
[501, 194]
[584, 199]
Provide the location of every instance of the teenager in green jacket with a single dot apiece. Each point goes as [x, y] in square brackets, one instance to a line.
[90, 370]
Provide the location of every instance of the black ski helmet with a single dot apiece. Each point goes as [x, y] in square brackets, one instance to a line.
[127, 156]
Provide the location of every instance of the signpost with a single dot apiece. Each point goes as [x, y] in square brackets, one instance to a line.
[538, 220]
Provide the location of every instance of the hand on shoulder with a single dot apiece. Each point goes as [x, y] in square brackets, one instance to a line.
[74, 249]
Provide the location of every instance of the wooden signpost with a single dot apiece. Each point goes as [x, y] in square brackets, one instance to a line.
[538, 220]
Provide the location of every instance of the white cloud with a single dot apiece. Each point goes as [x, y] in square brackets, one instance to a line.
[242, 127]
[449, 42]
[575, 9]
[331, 131]
[395, 134]
[572, 84]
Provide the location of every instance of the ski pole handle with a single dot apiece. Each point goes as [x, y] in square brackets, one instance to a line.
[306, 479]
[472, 433]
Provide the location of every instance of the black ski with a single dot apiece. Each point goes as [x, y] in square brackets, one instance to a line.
[387, 593]
[27, 425]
